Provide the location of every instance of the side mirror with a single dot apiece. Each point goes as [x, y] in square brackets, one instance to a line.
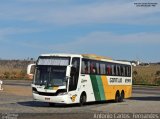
[29, 70]
[68, 71]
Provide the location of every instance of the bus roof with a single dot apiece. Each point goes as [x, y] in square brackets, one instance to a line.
[103, 58]
[62, 54]
[88, 56]
[94, 56]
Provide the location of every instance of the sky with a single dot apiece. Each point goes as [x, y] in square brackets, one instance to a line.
[114, 28]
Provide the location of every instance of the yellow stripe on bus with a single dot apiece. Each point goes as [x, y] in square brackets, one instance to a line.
[110, 90]
[105, 85]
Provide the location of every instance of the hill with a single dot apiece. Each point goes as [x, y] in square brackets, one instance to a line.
[14, 69]
[147, 74]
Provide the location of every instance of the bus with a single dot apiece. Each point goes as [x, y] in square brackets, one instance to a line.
[80, 78]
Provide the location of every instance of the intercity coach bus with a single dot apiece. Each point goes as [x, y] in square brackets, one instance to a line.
[73, 78]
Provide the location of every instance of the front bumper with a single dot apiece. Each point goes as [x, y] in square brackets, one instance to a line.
[65, 99]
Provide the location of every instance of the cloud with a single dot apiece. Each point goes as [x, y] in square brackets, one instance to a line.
[97, 41]
[9, 31]
[96, 12]
[143, 45]
[102, 41]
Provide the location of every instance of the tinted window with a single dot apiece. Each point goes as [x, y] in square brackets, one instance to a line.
[105, 68]
[102, 68]
[85, 66]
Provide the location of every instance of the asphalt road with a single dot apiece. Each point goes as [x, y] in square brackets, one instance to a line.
[17, 82]
[144, 100]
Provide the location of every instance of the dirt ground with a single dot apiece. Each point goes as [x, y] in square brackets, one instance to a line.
[17, 90]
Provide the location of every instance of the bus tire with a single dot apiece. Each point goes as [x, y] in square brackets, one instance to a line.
[117, 97]
[83, 99]
[122, 96]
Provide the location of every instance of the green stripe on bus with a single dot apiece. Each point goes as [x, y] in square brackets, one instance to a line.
[100, 87]
[95, 87]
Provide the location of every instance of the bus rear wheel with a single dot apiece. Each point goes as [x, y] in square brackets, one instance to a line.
[117, 97]
[122, 96]
[82, 99]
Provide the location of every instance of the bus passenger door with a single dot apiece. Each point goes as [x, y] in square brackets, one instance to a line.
[74, 74]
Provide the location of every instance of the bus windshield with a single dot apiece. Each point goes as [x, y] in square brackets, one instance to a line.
[51, 71]
[50, 75]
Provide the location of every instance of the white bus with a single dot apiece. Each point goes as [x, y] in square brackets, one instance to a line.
[73, 78]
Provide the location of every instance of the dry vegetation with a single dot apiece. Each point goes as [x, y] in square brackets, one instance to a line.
[17, 90]
[13, 69]
[149, 75]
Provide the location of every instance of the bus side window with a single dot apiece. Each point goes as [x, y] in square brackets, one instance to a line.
[126, 71]
[119, 71]
[129, 71]
[97, 68]
[88, 67]
[116, 70]
[102, 68]
[93, 68]
[108, 68]
[122, 72]
[112, 70]
[84, 66]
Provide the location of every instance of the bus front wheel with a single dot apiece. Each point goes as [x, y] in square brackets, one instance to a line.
[83, 98]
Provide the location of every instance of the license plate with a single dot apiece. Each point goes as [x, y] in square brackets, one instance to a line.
[47, 98]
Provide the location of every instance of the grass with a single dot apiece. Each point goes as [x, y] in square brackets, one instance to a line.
[146, 75]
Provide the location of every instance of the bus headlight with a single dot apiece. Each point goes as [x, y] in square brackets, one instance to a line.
[64, 93]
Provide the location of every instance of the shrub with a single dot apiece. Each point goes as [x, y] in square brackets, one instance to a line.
[135, 73]
[158, 82]
[157, 73]
[6, 75]
[13, 69]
